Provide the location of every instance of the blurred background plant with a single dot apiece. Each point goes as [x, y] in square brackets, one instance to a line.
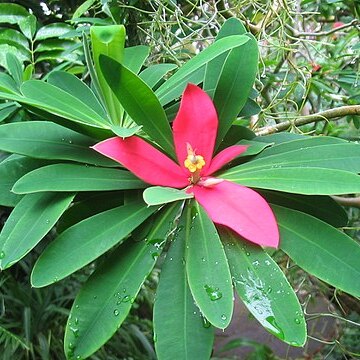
[307, 83]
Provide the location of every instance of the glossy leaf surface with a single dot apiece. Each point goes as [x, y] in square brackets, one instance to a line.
[264, 289]
[71, 177]
[179, 327]
[47, 140]
[157, 195]
[207, 268]
[307, 181]
[320, 249]
[86, 241]
[139, 102]
[28, 223]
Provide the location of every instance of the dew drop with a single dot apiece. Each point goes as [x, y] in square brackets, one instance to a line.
[2, 254]
[223, 317]
[71, 346]
[116, 312]
[76, 306]
[213, 292]
[76, 321]
[256, 263]
[297, 321]
[126, 298]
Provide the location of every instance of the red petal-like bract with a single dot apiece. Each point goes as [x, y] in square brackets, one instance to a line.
[143, 160]
[241, 209]
[224, 157]
[196, 123]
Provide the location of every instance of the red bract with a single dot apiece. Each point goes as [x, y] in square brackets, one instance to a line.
[195, 129]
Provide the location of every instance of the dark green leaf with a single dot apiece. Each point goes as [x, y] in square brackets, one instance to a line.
[264, 289]
[207, 268]
[307, 181]
[180, 330]
[71, 177]
[12, 13]
[153, 74]
[320, 249]
[139, 102]
[52, 31]
[84, 242]
[29, 222]
[47, 140]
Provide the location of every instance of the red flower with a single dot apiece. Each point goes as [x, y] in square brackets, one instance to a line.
[195, 129]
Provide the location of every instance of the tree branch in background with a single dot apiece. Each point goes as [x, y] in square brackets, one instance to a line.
[347, 201]
[308, 119]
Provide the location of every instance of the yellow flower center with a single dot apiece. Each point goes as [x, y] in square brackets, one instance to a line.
[194, 163]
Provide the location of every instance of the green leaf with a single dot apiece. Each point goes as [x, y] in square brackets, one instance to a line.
[7, 109]
[322, 207]
[47, 140]
[12, 13]
[139, 102]
[52, 31]
[207, 268]
[28, 223]
[86, 241]
[57, 101]
[14, 38]
[134, 57]
[234, 84]
[153, 74]
[18, 51]
[107, 295]
[71, 177]
[83, 8]
[75, 87]
[180, 330]
[280, 137]
[264, 289]
[335, 156]
[11, 169]
[8, 85]
[157, 195]
[174, 87]
[125, 132]
[254, 147]
[93, 204]
[307, 181]
[301, 143]
[230, 27]
[28, 26]
[320, 249]
[110, 292]
[250, 108]
[109, 41]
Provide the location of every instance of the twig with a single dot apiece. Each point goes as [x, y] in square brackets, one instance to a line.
[347, 201]
[308, 119]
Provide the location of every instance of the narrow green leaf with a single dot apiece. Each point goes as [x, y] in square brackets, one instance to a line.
[15, 68]
[307, 181]
[254, 147]
[207, 268]
[321, 207]
[83, 8]
[7, 85]
[125, 132]
[47, 140]
[86, 241]
[300, 143]
[174, 87]
[280, 137]
[110, 292]
[134, 57]
[57, 101]
[343, 156]
[71, 177]
[180, 330]
[264, 289]
[109, 41]
[320, 249]
[157, 195]
[7, 109]
[93, 204]
[11, 169]
[235, 83]
[139, 102]
[250, 108]
[75, 87]
[235, 135]
[153, 74]
[29, 222]
[52, 31]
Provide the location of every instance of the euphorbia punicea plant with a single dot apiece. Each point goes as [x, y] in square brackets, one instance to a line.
[194, 130]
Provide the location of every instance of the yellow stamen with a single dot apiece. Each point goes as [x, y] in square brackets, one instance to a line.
[193, 162]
